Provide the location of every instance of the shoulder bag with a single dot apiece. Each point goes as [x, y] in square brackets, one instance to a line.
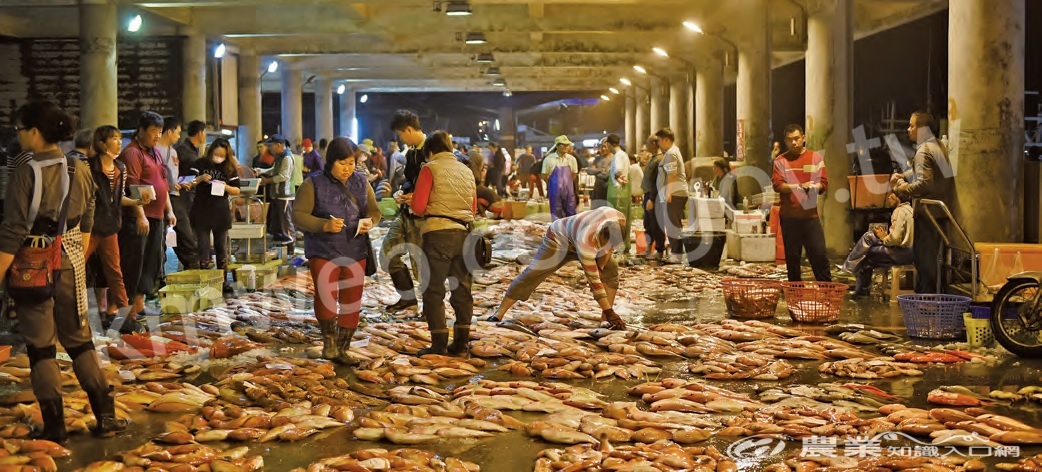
[36, 269]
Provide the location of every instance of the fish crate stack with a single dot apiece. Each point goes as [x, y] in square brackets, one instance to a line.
[749, 238]
[191, 290]
[708, 215]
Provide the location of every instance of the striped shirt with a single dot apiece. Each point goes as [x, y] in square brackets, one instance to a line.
[579, 234]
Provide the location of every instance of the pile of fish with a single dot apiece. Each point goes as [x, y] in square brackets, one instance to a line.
[19, 419]
[692, 396]
[783, 421]
[741, 366]
[31, 455]
[154, 369]
[139, 346]
[233, 423]
[969, 427]
[401, 460]
[755, 271]
[180, 457]
[805, 347]
[883, 461]
[1030, 392]
[1027, 464]
[431, 369]
[275, 383]
[872, 368]
[658, 456]
[857, 397]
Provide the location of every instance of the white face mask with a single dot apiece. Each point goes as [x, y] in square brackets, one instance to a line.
[218, 159]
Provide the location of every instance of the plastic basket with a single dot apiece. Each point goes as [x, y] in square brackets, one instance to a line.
[814, 302]
[934, 316]
[751, 298]
[198, 276]
[978, 331]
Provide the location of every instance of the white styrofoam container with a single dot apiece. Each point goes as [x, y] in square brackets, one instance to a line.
[748, 223]
[710, 224]
[757, 247]
[709, 207]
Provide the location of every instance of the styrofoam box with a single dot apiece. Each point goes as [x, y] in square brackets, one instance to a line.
[710, 224]
[709, 207]
[734, 245]
[748, 223]
[757, 247]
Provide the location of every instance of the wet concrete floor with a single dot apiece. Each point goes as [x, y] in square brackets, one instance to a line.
[515, 452]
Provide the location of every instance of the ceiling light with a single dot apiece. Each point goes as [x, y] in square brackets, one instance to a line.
[485, 58]
[219, 52]
[475, 38]
[458, 9]
[660, 51]
[135, 24]
[499, 83]
[605, 98]
[341, 89]
[625, 81]
[613, 90]
[492, 71]
[640, 69]
[274, 66]
[365, 98]
[226, 132]
[691, 25]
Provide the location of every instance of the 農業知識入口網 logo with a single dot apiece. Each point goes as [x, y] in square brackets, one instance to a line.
[967, 445]
[755, 447]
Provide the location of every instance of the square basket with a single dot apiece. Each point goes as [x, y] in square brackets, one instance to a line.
[934, 316]
[814, 302]
[978, 331]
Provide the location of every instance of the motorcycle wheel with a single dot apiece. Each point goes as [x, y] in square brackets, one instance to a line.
[1008, 312]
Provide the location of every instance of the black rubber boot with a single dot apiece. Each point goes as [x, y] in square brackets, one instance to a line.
[329, 338]
[53, 412]
[439, 345]
[103, 405]
[343, 346]
[460, 340]
[403, 284]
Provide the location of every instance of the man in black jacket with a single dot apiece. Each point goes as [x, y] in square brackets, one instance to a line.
[403, 237]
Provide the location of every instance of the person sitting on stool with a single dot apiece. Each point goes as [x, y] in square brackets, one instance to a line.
[878, 248]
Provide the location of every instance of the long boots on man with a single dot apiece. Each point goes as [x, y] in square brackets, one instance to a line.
[460, 340]
[439, 344]
[103, 405]
[344, 345]
[329, 338]
[403, 284]
[53, 412]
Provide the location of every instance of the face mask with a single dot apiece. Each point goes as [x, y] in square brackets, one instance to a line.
[218, 160]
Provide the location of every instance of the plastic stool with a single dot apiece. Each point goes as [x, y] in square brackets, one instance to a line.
[889, 284]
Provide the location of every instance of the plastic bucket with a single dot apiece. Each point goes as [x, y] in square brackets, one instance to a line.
[703, 249]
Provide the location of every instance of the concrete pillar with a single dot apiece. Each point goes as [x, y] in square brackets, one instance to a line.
[348, 102]
[99, 103]
[689, 111]
[249, 102]
[642, 122]
[194, 91]
[830, 44]
[754, 99]
[292, 108]
[986, 113]
[507, 130]
[679, 92]
[709, 108]
[659, 103]
[323, 109]
[632, 146]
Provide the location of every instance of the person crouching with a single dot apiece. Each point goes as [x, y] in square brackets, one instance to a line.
[336, 209]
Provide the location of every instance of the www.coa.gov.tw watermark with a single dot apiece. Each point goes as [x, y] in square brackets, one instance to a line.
[969, 445]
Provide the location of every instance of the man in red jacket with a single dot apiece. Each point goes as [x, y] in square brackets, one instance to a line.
[800, 178]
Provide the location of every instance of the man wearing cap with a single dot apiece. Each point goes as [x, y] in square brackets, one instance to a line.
[279, 179]
[591, 238]
[312, 159]
[560, 170]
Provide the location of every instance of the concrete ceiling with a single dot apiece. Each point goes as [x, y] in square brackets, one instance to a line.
[405, 45]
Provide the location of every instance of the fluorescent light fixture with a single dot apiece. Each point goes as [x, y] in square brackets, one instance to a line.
[492, 71]
[507, 93]
[458, 9]
[475, 38]
[605, 98]
[274, 66]
[691, 25]
[625, 81]
[354, 129]
[365, 98]
[613, 90]
[226, 132]
[219, 52]
[497, 124]
[499, 83]
[660, 51]
[591, 143]
[485, 58]
[341, 89]
[135, 24]
[640, 69]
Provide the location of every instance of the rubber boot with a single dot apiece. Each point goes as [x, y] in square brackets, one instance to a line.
[344, 345]
[460, 340]
[53, 413]
[439, 345]
[103, 405]
[329, 338]
[403, 284]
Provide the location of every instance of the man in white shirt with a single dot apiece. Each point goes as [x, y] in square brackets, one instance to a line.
[619, 196]
[672, 192]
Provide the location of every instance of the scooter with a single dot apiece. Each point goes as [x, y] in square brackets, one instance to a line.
[1016, 314]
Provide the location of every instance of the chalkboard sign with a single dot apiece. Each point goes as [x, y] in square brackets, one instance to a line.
[148, 73]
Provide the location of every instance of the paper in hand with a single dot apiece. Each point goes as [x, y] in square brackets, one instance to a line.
[216, 188]
[364, 222]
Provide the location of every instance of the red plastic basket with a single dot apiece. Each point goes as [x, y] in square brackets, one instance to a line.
[814, 302]
[751, 298]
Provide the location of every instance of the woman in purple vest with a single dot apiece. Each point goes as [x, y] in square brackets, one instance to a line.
[335, 210]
